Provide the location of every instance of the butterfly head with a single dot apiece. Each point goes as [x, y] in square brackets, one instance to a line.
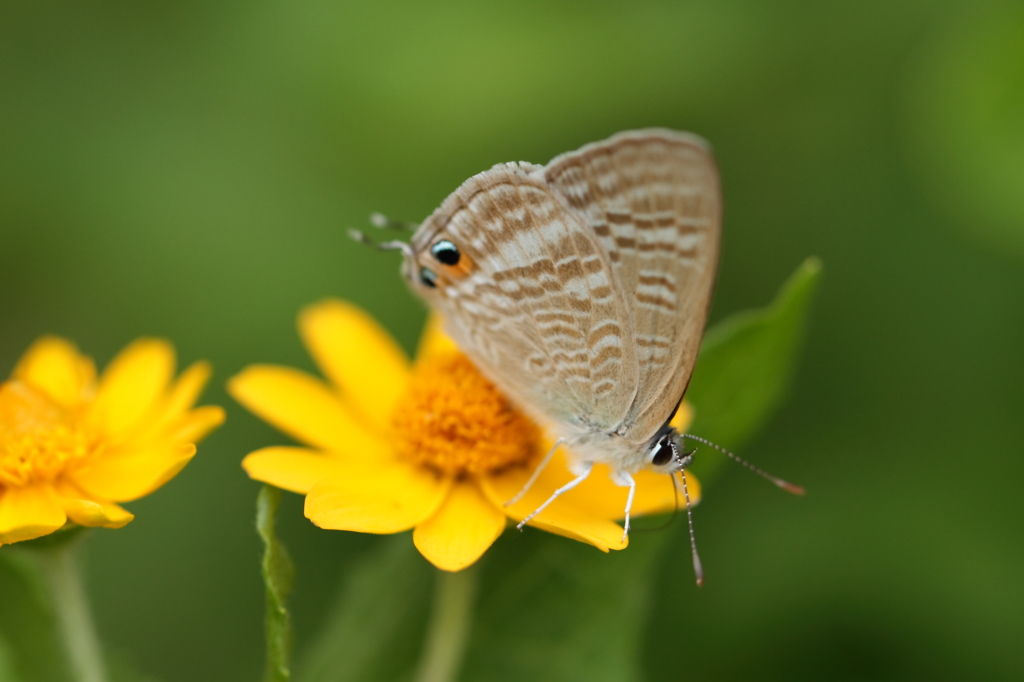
[664, 452]
[429, 262]
[432, 268]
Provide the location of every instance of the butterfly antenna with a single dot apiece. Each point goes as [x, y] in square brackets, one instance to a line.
[382, 221]
[381, 246]
[698, 569]
[785, 485]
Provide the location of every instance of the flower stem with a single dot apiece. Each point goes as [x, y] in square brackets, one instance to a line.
[449, 627]
[60, 572]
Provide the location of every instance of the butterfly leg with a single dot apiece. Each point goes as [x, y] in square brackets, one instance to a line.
[536, 473]
[584, 471]
[623, 479]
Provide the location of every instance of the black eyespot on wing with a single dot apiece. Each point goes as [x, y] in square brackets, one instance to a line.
[428, 277]
[445, 252]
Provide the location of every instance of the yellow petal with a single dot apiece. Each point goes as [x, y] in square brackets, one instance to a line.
[194, 426]
[358, 356]
[304, 408]
[655, 494]
[132, 384]
[294, 469]
[376, 499]
[187, 388]
[96, 514]
[85, 511]
[55, 367]
[29, 512]
[561, 517]
[174, 406]
[683, 417]
[127, 476]
[461, 530]
[433, 340]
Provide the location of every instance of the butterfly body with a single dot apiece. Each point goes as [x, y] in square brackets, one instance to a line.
[581, 288]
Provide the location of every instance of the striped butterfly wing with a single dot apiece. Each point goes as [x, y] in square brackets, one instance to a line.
[583, 286]
[532, 297]
[653, 200]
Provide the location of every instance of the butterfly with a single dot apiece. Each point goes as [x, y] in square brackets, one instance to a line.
[581, 289]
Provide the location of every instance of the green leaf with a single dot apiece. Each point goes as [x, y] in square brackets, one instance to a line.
[278, 572]
[7, 658]
[747, 361]
[121, 667]
[560, 611]
[375, 629]
[548, 609]
[31, 648]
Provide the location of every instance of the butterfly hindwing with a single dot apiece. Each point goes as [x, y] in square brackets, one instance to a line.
[652, 198]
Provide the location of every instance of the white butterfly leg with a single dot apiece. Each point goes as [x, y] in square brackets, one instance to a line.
[536, 473]
[584, 471]
[623, 479]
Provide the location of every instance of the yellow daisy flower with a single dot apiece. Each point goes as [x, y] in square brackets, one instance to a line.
[72, 446]
[430, 446]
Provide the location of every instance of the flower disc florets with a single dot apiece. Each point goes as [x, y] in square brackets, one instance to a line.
[454, 421]
[38, 438]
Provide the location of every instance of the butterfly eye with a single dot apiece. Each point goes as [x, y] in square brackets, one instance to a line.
[428, 277]
[445, 252]
[663, 452]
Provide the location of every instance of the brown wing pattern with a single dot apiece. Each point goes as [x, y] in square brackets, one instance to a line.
[652, 198]
[583, 286]
[533, 300]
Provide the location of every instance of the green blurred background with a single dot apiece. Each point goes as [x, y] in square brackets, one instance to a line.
[188, 170]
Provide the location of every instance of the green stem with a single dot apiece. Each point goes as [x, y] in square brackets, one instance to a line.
[449, 627]
[60, 572]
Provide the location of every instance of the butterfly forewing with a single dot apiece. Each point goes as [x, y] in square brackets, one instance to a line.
[583, 286]
[533, 297]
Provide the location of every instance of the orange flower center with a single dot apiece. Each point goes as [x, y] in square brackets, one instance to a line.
[455, 421]
[38, 438]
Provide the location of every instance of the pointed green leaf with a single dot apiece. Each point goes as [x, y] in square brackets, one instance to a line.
[747, 361]
[277, 577]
